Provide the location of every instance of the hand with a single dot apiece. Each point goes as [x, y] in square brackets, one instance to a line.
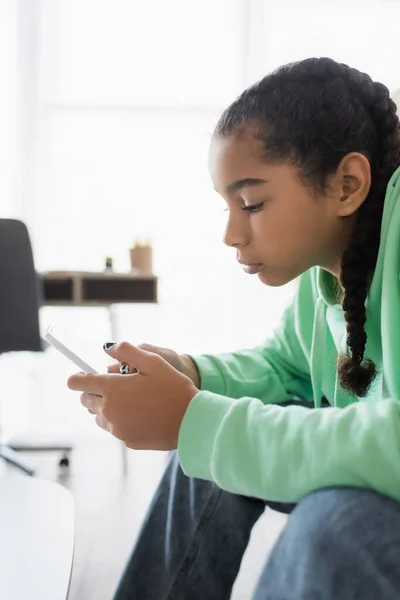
[180, 362]
[144, 409]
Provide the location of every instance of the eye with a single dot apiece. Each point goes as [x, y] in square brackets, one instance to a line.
[254, 208]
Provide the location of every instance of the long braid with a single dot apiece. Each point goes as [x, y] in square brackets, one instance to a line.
[359, 259]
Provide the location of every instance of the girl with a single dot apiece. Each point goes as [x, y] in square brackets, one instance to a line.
[307, 162]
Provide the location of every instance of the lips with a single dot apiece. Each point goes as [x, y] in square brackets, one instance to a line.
[253, 268]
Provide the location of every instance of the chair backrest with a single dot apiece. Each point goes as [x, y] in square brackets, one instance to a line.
[20, 290]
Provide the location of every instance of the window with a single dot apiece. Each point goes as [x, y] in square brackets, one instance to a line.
[128, 94]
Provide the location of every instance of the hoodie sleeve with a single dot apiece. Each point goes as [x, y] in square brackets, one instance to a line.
[273, 372]
[283, 453]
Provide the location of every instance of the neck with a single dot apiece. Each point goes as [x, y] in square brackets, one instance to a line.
[334, 263]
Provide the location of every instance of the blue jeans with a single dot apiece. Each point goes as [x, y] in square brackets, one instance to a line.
[338, 544]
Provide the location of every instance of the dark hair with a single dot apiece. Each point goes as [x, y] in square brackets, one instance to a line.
[311, 114]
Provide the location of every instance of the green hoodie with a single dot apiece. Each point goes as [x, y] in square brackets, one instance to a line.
[235, 433]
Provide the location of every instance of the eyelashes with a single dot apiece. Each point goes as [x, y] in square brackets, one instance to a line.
[252, 208]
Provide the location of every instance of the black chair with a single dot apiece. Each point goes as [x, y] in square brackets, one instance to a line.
[21, 295]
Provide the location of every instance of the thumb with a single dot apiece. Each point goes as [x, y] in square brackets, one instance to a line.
[135, 357]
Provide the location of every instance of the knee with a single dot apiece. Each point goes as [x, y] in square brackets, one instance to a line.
[306, 553]
[335, 545]
[312, 526]
[332, 518]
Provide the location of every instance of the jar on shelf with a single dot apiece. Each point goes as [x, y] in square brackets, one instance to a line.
[141, 255]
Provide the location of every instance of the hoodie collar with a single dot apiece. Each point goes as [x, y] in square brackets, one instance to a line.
[327, 288]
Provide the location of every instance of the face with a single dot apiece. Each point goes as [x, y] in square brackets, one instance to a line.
[275, 222]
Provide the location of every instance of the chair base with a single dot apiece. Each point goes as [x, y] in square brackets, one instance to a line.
[34, 443]
[11, 457]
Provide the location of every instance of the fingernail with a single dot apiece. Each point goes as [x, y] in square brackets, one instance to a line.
[108, 345]
[124, 369]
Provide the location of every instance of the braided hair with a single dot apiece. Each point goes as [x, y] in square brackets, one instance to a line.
[311, 114]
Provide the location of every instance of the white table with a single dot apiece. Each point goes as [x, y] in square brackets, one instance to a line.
[37, 528]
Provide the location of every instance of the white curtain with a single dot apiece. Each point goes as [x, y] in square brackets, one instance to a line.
[8, 100]
[128, 94]
[119, 98]
[361, 33]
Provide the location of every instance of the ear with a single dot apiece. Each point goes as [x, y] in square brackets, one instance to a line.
[354, 181]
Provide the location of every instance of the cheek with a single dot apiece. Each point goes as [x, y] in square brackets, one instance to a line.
[277, 230]
[304, 221]
[289, 241]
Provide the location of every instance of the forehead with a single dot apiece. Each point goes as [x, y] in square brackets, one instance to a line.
[235, 157]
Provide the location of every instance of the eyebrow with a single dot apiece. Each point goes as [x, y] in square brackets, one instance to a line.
[236, 186]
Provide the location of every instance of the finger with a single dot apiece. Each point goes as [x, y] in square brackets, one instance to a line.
[82, 382]
[125, 369]
[149, 347]
[122, 369]
[92, 402]
[103, 423]
[136, 357]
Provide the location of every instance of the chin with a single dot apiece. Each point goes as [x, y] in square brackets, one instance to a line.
[274, 279]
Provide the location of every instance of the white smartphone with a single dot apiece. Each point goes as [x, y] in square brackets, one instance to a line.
[77, 360]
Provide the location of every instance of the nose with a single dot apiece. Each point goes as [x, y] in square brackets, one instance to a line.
[235, 233]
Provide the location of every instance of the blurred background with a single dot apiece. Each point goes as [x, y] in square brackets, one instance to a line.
[106, 113]
[107, 108]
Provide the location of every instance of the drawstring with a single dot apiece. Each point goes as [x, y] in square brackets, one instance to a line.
[341, 397]
[318, 346]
